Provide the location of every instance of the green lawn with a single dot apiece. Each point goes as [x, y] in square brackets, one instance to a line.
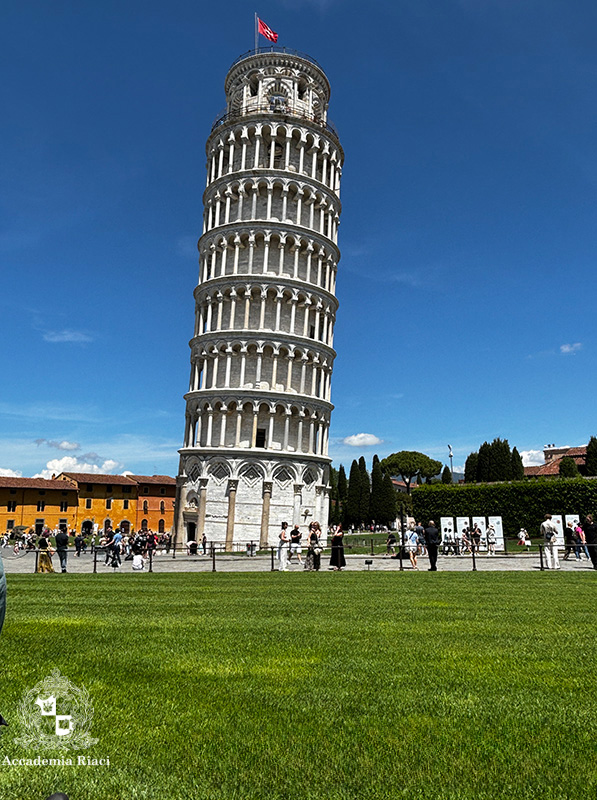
[331, 685]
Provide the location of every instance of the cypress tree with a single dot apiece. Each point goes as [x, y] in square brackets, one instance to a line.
[500, 468]
[342, 487]
[365, 500]
[376, 507]
[517, 471]
[591, 457]
[353, 495]
[446, 475]
[484, 463]
[470, 468]
[388, 513]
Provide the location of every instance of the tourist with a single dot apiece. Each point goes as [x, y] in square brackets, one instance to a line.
[283, 545]
[582, 540]
[549, 533]
[62, 548]
[491, 540]
[432, 540]
[476, 537]
[390, 544]
[295, 543]
[412, 546]
[78, 544]
[314, 550]
[590, 531]
[421, 534]
[44, 563]
[466, 540]
[337, 560]
[204, 544]
[138, 562]
[570, 541]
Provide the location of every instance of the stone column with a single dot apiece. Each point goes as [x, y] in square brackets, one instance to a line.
[232, 487]
[318, 499]
[267, 496]
[202, 506]
[296, 514]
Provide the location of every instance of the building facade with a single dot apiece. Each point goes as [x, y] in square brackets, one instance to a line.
[155, 502]
[37, 503]
[258, 408]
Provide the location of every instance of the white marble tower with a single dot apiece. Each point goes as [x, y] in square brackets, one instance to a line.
[258, 408]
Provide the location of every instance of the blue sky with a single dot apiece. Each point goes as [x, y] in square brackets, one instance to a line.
[468, 233]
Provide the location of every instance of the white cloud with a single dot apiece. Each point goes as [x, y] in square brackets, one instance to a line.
[532, 458]
[64, 445]
[73, 464]
[570, 349]
[362, 440]
[67, 335]
[10, 473]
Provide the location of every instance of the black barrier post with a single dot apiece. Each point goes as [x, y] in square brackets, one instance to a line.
[372, 547]
[273, 566]
[36, 559]
[541, 557]
[94, 561]
[213, 556]
[151, 559]
[505, 544]
[474, 559]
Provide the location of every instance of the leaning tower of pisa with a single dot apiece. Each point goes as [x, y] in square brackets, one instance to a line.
[258, 408]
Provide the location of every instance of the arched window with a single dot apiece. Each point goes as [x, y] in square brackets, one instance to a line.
[161, 526]
[162, 507]
[145, 506]
[143, 524]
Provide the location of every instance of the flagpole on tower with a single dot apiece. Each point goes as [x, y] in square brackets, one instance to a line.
[256, 33]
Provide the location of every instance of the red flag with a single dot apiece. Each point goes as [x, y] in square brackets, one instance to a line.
[266, 31]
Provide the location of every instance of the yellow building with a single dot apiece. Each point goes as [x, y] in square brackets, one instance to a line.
[105, 501]
[37, 503]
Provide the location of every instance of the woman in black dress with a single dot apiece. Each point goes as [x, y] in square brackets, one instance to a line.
[337, 561]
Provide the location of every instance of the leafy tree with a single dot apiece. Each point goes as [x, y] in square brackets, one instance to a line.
[591, 457]
[568, 468]
[353, 495]
[376, 508]
[517, 468]
[365, 500]
[411, 464]
[446, 475]
[470, 468]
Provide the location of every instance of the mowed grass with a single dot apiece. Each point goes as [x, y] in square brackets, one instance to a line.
[331, 685]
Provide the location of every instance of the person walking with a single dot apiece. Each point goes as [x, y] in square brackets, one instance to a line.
[432, 540]
[283, 545]
[583, 541]
[412, 546]
[78, 544]
[421, 534]
[590, 531]
[62, 548]
[549, 533]
[571, 542]
[337, 560]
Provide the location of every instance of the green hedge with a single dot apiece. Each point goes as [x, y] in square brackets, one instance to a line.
[520, 503]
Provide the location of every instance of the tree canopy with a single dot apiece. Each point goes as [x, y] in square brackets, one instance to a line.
[409, 464]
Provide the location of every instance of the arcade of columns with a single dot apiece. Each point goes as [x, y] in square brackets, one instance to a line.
[258, 405]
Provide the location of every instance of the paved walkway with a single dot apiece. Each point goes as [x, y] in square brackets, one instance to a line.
[25, 564]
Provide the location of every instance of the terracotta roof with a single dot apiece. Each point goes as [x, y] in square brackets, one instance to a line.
[155, 479]
[34, 483]
[553, 467]
[92, 477]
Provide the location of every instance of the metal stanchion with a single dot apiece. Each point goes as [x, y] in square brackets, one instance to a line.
[401, 545]
[542, 567]
[36, 560]
[213, 556]
[506, 545]
[372, 548]
[273, 563]
[474, 559]
[151, 559]
[94, 560]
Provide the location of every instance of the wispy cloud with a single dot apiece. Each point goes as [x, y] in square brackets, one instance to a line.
[362, 440]
[67, 335]
[48, 411]
[64, 445]
[570, 349]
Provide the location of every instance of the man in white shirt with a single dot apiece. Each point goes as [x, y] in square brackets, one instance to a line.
[549, 532]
